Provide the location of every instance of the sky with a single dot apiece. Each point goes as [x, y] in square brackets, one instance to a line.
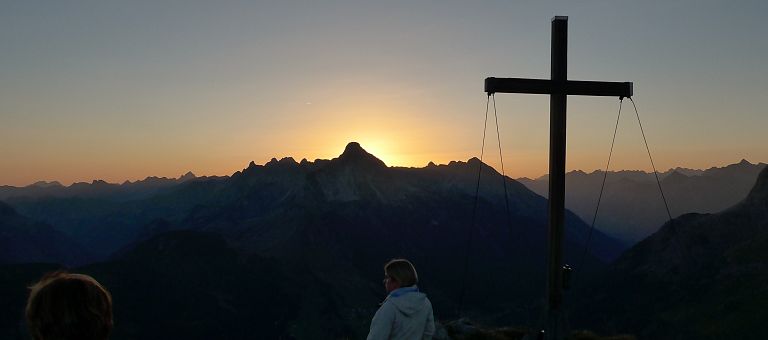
[122, 90]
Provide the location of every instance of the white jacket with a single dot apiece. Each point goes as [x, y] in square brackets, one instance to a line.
[406, 313]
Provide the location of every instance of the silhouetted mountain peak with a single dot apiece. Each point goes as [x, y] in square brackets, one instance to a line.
[473, 163]
[685, 171]
[741, 165]
[355, 154]
[282, 162]
[44, 184]
[353, 149]
[185, 177]
[252, 168]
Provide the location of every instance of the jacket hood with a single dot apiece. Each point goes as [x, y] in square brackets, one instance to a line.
[408, 300]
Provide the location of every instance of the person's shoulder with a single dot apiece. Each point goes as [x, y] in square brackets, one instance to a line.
[426, 303]
[387, 304]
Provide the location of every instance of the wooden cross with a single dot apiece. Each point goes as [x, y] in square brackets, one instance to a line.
[558, 87]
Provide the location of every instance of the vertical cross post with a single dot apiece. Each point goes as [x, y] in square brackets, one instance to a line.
[557, 124]
[558, 87]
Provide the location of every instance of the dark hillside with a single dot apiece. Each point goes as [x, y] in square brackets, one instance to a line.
[701, 276]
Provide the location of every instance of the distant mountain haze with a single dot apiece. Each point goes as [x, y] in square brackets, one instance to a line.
[701, 276]
[96, 189]
[632, 209]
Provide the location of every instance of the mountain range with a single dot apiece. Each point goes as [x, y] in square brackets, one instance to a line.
[307, 240]
[96, 189]
[632, 208]
[295, 250]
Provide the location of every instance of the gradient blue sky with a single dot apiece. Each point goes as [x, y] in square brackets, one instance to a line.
[120, 90]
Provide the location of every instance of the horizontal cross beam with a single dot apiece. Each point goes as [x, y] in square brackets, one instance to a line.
[546, 86]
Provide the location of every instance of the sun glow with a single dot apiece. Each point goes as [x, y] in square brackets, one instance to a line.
[382, 148]
[384, 131]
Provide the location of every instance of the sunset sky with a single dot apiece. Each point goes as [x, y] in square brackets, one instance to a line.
[122, 90]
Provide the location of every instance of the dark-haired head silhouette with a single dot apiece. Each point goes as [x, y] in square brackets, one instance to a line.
[65, 306]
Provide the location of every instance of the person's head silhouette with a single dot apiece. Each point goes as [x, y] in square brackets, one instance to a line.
[399, 273]
[64, 306]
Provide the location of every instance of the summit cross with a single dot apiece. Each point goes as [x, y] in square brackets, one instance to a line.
[558, 87]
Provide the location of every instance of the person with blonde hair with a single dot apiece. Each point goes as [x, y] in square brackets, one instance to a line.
[406, 313]
[64, 306]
